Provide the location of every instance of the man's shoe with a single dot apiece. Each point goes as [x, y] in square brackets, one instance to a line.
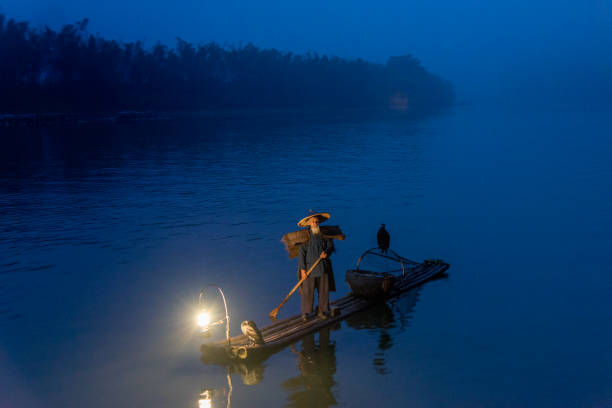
[322, 315]
[304, 318]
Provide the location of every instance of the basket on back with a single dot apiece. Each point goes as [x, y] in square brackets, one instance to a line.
[293, 240]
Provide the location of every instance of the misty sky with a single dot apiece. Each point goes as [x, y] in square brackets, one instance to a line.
[484, 47]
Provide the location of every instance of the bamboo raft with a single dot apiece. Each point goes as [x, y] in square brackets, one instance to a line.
[289, 330]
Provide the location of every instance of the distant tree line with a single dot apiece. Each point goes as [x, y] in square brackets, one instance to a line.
[42, 70]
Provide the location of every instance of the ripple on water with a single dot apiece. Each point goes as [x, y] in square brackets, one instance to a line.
[124, 194]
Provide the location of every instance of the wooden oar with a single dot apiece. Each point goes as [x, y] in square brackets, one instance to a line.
[275, 311]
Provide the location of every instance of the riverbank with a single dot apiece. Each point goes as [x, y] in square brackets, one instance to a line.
[60, 119]
[44, 119]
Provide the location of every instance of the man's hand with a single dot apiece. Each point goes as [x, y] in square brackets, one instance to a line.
[323, 255]
[303, 273]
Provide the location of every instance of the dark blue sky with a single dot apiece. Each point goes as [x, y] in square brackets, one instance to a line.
[493, 48]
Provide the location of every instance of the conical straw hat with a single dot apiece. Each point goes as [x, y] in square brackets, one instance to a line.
[322, 217]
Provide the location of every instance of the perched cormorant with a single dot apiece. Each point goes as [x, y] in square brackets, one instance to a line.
[383, 239]
[249, 329]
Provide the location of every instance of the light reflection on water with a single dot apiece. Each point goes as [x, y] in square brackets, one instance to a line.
[108, 232]
[315, 355]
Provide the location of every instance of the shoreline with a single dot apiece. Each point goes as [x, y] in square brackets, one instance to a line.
[64, 118]
[43, 119]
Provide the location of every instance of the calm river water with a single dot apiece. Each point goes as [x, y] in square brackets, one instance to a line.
[108, 231]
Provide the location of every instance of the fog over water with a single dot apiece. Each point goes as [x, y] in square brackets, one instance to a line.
[108, 230]
[507, 51]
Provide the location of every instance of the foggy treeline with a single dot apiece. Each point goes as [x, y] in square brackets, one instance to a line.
[71, 70]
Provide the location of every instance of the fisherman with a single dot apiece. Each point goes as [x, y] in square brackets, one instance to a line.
[321, 277]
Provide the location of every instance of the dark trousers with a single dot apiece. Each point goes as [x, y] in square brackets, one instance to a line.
[308, 289]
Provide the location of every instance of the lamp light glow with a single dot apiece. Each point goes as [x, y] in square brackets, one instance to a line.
[206, 400]
[203, 320]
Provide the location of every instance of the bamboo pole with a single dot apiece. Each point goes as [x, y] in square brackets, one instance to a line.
[275, 311]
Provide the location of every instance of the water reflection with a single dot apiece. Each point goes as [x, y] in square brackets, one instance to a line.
[382, 317]
[317, 365]
[212, 398]
[251, 372]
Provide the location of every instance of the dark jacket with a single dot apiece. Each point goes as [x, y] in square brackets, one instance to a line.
[310, 252]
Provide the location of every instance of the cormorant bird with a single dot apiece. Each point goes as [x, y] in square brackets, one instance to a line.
[249, 329]
[383, 239]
